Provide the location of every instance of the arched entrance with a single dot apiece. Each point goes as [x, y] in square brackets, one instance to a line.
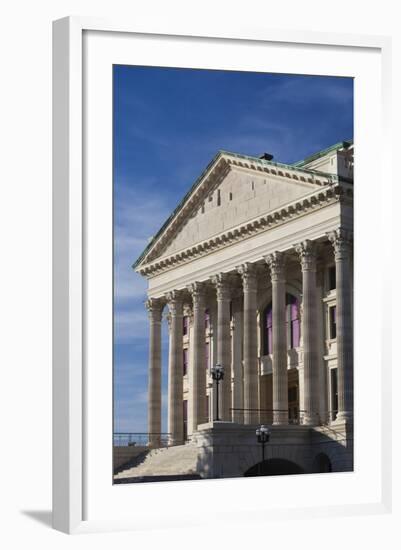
[322, 464]
[274, 467]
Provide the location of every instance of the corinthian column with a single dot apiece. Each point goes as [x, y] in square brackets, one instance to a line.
[307, 253]
[222, 283]
[248, 273]
[236, 354]
[276, 262]
[198, 371]
[175, 370]
[155, 308]
[341, 241]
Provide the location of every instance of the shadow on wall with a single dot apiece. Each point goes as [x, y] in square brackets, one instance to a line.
[274, 467]
[294, 450]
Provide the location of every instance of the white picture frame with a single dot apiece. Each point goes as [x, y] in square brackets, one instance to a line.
[71, 426]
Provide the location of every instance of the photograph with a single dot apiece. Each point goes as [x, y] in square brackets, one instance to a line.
[232, 274]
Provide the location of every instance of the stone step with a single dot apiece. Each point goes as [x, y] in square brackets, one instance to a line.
[172, 461]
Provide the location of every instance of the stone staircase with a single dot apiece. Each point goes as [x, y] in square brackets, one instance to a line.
[180, 460]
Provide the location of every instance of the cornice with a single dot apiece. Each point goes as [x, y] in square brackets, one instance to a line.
[212, 175]
[320, 198]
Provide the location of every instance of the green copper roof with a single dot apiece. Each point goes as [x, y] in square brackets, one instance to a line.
[256, 160]
[319, 154]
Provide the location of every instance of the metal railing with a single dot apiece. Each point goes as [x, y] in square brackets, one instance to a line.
[265, 416]
[126, 439]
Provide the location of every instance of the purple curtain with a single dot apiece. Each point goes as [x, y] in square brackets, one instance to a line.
[185, 361]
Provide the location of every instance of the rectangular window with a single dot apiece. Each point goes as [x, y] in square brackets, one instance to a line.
[185, 418]
[218, 197]
[207, 409]
[332, 323]
[185, 325]
[185, 361]
[269, 331]
[332, 277]
[334, 393]
[207, 356]
[295, 325]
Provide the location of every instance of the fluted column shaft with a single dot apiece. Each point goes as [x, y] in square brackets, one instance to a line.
[222, 283]
[198, 371]
[307, 254]
[238, 390]
[276, 262]
[155, 308]
[342, 241]
[175, 370]
[251, 390]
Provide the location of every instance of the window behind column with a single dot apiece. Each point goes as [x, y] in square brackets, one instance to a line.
[293, 324]
[185, 418]
[293, 320]
[207, 356]
[185, 325]
[268, 330]
[332, 322]
[185, 361]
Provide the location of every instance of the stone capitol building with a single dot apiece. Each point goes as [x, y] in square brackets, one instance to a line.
[253, 272]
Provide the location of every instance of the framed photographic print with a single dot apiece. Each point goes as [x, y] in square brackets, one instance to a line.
[218, 323]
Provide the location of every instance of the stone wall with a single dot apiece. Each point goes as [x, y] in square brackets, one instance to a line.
[123, 455]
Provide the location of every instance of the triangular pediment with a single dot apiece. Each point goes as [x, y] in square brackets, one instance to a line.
[230, 193]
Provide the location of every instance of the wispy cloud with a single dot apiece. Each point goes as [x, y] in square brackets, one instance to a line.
[162, 144]
[131, 325]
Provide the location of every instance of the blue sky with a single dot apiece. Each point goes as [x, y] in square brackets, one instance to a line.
[168, 124]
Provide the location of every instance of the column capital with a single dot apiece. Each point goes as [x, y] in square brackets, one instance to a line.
[198, 292]
[188, 312]
[155, 309]
[341, 239]
[276, 262]
[222, 282]
[174, 301]
[248, 273]
[306, 251]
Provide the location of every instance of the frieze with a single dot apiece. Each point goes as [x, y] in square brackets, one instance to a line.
[320, 199]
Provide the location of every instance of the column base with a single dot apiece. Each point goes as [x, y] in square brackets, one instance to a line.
[175, 442]
[280, 419]
[154, 443]
[311, 420]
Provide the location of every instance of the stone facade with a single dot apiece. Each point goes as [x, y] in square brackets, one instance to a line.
[254, 268]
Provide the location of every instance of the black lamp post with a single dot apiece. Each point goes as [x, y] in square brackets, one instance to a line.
[217, 375]
[262, 435]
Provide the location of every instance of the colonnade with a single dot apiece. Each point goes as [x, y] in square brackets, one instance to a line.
[222, 282]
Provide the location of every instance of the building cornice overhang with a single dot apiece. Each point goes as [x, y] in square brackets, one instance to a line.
[218, 168]
[340, 192]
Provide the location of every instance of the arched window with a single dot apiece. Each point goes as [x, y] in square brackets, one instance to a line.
[293, 325]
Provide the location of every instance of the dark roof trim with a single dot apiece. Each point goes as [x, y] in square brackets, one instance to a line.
[340, 145]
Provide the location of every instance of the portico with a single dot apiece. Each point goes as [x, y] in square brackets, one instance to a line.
[253, 272]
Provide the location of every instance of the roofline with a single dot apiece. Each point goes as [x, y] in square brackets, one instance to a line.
[198, 180]
[323, 152]
[176, 209]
